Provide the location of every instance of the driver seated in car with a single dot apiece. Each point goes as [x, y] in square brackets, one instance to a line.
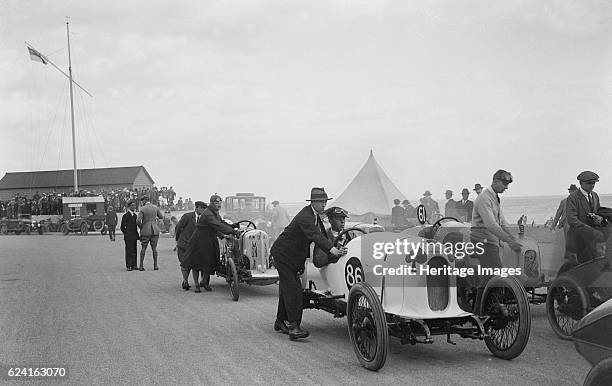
[337, 217]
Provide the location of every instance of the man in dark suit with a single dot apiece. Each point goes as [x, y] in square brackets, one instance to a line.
[290, 251]
[111, 222]
[203, 252]
[182, 233]
[465, 207]
[584, 224]
[130, 235]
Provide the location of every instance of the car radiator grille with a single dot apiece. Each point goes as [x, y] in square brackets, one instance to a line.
[438, 286]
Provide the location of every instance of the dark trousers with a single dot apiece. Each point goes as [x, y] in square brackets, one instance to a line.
[289, 294]
[111, 232]
[130, 252]
[489, 259]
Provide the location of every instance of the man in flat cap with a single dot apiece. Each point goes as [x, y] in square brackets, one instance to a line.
[182, 234]
[129, 228]
[337, 218]
[203, 252]
[581, 212]
[149, 229]
[465, 207]
[290, 251]
[490, 228]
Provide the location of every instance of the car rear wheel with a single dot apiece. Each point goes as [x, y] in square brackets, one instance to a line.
[98, 225]
[600, 374]
[84, 229]
[505, 301]
[27, 230]
[17, 232]
[367, 326]
[64, 229]
[232, 279]
[566, 304]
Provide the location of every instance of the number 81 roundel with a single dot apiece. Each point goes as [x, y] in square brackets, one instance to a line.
[353, 272]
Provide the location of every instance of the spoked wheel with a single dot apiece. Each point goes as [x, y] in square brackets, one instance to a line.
[84, 229]
[566, 304]
[65, 229]
[232, 278]
[367, 326]
[505, 301]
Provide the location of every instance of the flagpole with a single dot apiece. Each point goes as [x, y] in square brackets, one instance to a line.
[76, 185]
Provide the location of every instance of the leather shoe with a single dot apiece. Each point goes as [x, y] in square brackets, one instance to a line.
[129, 268]
[280, 326]
[141, 269]
[186, 286]
[156, 268]
[197, 289]
[295, 332]
[207, 287]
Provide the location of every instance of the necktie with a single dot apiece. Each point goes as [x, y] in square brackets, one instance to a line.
[591, 202]
[197, 218]
[320, 224]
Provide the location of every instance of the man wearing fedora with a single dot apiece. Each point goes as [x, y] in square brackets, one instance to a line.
[451, 205]
[431, 206]
[559, 219]
[465, 207]
[290, 251]
[584, 223]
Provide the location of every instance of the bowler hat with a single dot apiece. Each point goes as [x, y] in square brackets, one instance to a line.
[477, 187]
[336, 211]
[572, 188]
[405, 202]
[427, 193]
[465, 191]
[588, 176]
[318, 194]
[275, 202]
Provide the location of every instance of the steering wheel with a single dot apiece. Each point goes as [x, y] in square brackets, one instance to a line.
[438, 224]
[248, 222]
[345, 231]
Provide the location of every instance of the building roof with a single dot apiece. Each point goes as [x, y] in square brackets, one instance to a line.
[371, 191]
[59, 178]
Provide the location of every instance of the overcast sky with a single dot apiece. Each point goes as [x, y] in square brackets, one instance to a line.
[275, 97]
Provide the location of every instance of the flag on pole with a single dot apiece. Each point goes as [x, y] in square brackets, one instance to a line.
[37, 56]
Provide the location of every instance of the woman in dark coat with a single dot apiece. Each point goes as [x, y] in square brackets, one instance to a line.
[203, 253]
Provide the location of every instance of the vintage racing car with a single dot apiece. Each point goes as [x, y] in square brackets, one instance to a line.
[246, 259]
[22, 224]
[390, 295]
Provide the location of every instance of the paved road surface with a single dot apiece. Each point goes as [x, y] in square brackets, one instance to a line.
[68, 301]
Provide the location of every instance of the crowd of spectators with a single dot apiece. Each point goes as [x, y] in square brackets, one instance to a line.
[51, 203]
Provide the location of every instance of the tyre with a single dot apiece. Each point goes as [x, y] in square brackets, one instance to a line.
[4, 229]
[17, 232]
[84, 229]
[40, 230]
[64, 229]
[232, 279]
[600, 374]
[566, 304]
[27, 230]
[98, 225]
[505, 301]
[367, 326]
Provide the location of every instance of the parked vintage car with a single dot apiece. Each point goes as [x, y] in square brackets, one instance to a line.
[593, 340]
[246, 259]
[22, 224]
[379, 302]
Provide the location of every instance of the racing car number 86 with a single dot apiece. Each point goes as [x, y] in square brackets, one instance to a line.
[353, 273]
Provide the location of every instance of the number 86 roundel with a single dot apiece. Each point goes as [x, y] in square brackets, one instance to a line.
[353, 272]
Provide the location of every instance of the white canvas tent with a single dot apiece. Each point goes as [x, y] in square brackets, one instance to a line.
[371, 191]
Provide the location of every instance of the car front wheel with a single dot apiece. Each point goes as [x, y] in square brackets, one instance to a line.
[505, 301]
[367, 326]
